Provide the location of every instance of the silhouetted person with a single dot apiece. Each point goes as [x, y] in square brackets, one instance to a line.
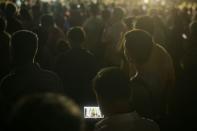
[93, 27]
[45, 112]
[26, 76]
[26, 18]
[151, 63]
[49, 34]
[75, 17]
[77, 67]
[4, 49]
[36, 12]
[13, 23]
[113, 93]
[113, 36]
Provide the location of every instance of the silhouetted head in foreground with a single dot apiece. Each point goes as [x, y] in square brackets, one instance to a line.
[76, 36]
[24, 45]
[46, 112]
[112, 90]
[138, 46]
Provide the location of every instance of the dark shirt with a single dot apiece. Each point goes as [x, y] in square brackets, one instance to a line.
[27, 80]
[77, 68]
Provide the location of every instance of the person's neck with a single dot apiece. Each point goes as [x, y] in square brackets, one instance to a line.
[117, 108]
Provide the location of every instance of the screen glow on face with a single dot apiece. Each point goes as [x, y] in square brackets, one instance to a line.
[92, 112]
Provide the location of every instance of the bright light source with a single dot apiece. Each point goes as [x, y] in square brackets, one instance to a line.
[163, 3]
[146, 1]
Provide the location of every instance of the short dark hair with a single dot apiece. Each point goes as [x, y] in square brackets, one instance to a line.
[3, 24]
[145, 23]
[24, 45]
[46, 112]
[139, 45]
[10, 9]
[76, 35]
[111, 84]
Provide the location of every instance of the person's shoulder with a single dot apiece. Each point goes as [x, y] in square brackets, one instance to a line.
[147, 124]
[5, 36]
[48, 73]
[162, 53]
[159, 48]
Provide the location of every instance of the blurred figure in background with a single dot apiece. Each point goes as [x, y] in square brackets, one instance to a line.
[49, 34]
[26, 18]
[93, 27]
[77, 68]
[113, 35]
[13, 24]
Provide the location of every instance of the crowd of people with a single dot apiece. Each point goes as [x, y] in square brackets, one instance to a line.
[138, 64]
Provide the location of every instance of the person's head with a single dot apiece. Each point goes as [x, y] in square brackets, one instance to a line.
[10, 9]
[94, 9]
[24, 46]
[118, 13]
[106, 15]
[129, 22]
[145, 23]
[138, 46]
[47, 21]
[45, 112]
[111, 87]
[76, 36]
[3, 24]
